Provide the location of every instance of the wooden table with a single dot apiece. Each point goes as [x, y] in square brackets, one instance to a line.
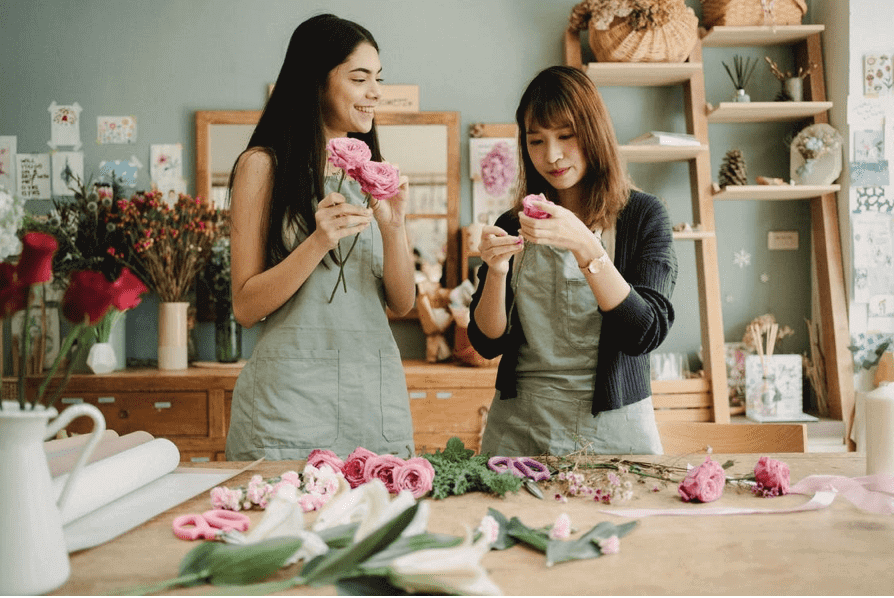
[839, 550]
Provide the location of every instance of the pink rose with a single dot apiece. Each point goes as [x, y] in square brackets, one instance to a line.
[379, 179]
[771, 477]
[319, 457]
[348, 153]
[498, 169]
[703, 483]
[533, 211]
[415, 475]
[354, 466]
[383, 467]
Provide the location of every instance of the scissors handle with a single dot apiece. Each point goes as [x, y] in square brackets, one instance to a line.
[225, 520]
[193, 527]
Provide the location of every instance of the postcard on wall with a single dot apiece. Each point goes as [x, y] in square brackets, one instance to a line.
[494, 173]
[126, 171]
[865, 113]
[65, 125]
[8, 162]
[170, 188]
[68, 169]
[877, 74]
[116, 129]
[869, 174]
[873, 234]
[869, 145]
[33, 176]
[873, 199]
[165, 161]
[399, 98]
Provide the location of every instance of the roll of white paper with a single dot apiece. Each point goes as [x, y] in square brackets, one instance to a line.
[111, 478]
[879, 411]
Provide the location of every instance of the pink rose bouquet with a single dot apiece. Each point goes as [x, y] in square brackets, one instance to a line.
[378, 179]
[772, 477]
[354, 466]
[348, 154]
[415, 475]
[703, 483]
[383, 467]
[319, 457]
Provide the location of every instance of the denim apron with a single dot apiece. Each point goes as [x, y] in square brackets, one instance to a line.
[556, 370]
[326, 375]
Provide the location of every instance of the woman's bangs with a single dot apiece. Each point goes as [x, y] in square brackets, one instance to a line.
[549, 113]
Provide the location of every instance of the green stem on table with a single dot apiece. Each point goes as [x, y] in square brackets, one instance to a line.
[23, 360]
[82, 346]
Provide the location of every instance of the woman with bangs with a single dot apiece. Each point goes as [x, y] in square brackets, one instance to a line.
[576, 295]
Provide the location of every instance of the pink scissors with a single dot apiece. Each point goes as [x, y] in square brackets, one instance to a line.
[210, 524]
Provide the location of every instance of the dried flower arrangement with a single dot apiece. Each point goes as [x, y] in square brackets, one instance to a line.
[783, 75]
[814, 142]
[760, 326]
[640, 14]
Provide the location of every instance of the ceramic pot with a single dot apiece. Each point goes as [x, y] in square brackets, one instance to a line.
[794, 88]
[32, 543]
[101, 358]
[172, 335]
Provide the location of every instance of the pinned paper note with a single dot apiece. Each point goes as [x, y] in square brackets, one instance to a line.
[68, 169]
[33, 176]
[877, 74]
[7, 162]
[116, 129]
[869, 174]
[494, 171]
[65, 126]
[166, 161]
[125, 171]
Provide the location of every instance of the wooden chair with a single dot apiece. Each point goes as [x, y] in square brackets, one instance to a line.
[681, 438]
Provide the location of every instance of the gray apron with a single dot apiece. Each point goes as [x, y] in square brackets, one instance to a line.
[556, 371]
[326, 375]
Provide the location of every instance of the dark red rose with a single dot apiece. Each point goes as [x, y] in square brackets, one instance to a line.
[88, 293]
[128, 289]
[36, 262]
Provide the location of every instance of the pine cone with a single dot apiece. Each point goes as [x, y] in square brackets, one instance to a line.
[732, 170]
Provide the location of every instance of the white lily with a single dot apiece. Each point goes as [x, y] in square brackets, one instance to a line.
[455, 570]
[372, 506]
[284, 517]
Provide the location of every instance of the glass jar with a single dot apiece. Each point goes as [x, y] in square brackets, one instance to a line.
[228, 339]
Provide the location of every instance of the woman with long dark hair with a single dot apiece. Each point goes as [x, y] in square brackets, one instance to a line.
[575, 290]
[326, 372]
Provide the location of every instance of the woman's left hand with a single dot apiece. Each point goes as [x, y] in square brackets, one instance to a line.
[563, 229]
[389, 213]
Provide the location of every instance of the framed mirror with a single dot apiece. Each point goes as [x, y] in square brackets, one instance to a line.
[424, 145]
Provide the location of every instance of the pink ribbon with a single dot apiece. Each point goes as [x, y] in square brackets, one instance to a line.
[874, 494]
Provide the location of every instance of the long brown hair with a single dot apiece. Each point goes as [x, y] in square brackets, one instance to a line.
[564, 96]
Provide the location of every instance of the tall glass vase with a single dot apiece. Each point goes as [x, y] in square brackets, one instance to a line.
[172, 335]
[228, 339]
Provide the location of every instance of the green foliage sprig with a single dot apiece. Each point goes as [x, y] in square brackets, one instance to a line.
[459, 470]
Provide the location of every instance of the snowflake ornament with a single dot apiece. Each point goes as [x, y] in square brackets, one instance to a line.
[742, 258]
[765, 278]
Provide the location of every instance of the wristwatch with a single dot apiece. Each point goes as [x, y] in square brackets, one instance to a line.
[597, 264]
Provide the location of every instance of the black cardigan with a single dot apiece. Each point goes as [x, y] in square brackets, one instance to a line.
[645, 257]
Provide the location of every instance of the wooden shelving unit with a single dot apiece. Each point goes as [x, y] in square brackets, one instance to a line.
[762, 112]
[774, 192]
[642, 74]
[737, 37]
[661, 153]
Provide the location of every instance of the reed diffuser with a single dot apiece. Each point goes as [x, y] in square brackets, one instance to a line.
[740, 74]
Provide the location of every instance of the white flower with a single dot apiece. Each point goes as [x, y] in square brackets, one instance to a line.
[561, 529]
[454, 570]
[12, 211]
[489, 528]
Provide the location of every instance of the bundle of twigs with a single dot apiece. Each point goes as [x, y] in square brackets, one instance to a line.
[742, 70]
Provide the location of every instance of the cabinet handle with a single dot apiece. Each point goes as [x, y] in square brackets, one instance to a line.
[417, 394]
[123, 414]
[200, 459]
[105, 400]
[162, 404]
[72, 400]
[443, 395]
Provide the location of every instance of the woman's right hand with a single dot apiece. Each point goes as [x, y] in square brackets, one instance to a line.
[497, 246]
[336, 219]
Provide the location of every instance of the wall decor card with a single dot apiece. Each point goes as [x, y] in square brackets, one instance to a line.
[870, 174]
[398, 98]
[877, 76]
[873, 234]
[126, 171]
[869, 145]
[865, 113]
[494, 173]
[171, 188]
[166, 161]
[68, 168]
[8, 162]
[773, 388]
[33, 176]
[65, 125]
[116, 129]
[873, 199]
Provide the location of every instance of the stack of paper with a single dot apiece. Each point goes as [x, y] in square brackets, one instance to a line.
[664, 138]
[128, 480]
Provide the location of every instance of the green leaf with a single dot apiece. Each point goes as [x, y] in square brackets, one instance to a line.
[336, 564]
[537, 539]
[378, 563]
[367, 585]
[198, 560]
[339, 536]
[504, 540]
[231, 564]
[587, 546]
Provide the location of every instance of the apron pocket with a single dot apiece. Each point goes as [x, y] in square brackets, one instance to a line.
[397, 421]
[296, 402]
[582, 318]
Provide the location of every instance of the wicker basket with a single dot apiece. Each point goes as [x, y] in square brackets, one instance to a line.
[752, 12]
[671, 42]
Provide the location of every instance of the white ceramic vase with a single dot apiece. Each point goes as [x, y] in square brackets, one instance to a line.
[101, 358]
[32, 543]
[172, 335]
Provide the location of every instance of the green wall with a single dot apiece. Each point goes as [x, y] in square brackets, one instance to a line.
[162, 60]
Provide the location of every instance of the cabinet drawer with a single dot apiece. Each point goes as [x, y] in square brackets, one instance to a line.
[160, 414]
[448, 410]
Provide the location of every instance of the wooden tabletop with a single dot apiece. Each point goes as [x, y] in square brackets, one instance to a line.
[839, 550]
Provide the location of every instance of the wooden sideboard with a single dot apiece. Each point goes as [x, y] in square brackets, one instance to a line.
[192, 407]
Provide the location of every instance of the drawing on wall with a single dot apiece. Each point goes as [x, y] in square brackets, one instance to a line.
[165, 161]
[873, 255]
[170, 189]
[8, 162]
[125, 171]
[33, 176]
[494, 172]
[869, 145]
[68, 168]
[873, 199]
[116, 129]
[869, 174]
[877, 74]
[65, 125]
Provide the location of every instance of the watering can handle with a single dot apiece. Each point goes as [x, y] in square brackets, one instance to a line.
[99, 427]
